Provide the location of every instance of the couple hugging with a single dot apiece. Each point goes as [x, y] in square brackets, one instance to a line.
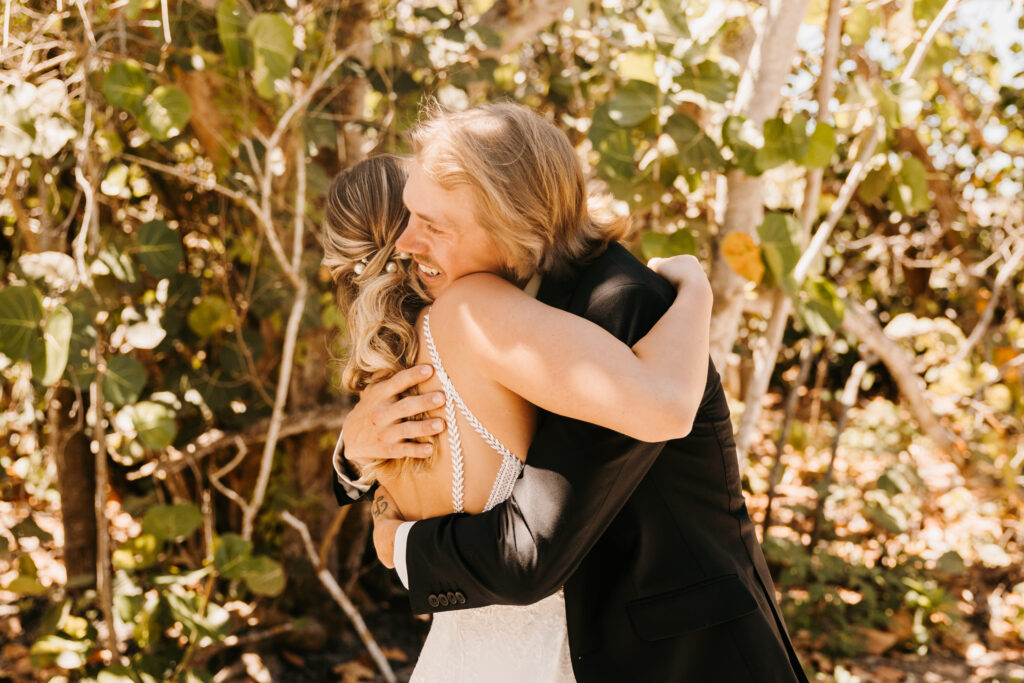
[548, 446]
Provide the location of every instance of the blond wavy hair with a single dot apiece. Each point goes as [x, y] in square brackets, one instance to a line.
[528, 187]
[363, 218]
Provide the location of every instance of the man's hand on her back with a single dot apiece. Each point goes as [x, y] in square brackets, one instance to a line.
[380, 425]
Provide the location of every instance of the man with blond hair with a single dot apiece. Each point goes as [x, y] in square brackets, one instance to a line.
[663, 577]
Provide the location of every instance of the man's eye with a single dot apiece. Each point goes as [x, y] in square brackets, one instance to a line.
[431, 229]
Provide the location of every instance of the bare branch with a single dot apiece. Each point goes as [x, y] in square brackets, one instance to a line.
[517, 22]
[215, 476]
[329, 417]
[283, 383]
[860, 324]
[1005, 273]
[104, 568]
[860, 168]
[200, 183]
[342, 599]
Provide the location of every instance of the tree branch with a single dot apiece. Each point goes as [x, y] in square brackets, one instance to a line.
[341, 598]
[328, 417]
[861, 325]
[1005, 273]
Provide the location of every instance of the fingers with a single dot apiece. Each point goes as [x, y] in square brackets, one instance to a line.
[410, 449]
[410, 406]
[400, 381]
[416, 429]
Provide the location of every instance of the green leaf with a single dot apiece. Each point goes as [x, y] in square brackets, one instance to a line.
[126, 85]
[195, 676]
[263, 575]
[67, 653]
[874, 185]
[137, 553]
[926, 10]
[29, 528]
[212, 315]
[123, 380]
[115, 183]
[231, 21]
[189, 610]
[155, 424]
[119, 264]
[661, 245]
[859, 22]
[709, 79]
[634, 103]
[783, 141]
[909, 101]
[820, 307]
[231, 554]
[912, 197]
[274, 49]
[159, 249]
[950, 563]
[115, 674]
[676, 16]
[20, 313]
[821, 147]
[638, 65]
[780, 246]
[696, 151]
[51, 358]
[165, 112]
[888, 104]
[171, 522]
[736, 134]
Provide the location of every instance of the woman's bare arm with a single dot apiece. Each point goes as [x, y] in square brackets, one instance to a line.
[570, 366]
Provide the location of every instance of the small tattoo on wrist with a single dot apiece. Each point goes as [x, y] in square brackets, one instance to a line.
[379, 507]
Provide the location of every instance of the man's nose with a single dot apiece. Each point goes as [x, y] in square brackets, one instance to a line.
[409, 241]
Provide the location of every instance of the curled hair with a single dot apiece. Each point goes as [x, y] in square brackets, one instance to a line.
[528, 187]
[363, 218]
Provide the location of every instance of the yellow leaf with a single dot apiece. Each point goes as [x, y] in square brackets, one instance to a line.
[1002, 355]
[743, 255]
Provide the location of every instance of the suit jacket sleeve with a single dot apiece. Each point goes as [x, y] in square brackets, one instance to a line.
[577, 478]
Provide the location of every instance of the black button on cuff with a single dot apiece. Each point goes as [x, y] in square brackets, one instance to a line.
[433, 601]
[460, 598]
[443, 599]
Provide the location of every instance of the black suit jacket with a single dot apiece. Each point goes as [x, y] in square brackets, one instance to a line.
[664, 579]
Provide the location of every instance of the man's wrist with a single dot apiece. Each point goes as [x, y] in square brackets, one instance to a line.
[342, 465]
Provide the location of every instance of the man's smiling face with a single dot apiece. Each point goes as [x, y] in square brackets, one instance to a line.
[443, 236]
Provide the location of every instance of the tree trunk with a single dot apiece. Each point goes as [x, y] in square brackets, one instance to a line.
[766, 349]
[76, 483]
[757, 98]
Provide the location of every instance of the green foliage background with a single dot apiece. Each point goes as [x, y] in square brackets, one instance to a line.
[164, 167]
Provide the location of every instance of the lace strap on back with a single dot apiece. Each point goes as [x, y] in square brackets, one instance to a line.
[508, 473]
[453, 399]
[446, 382]
[454, 437]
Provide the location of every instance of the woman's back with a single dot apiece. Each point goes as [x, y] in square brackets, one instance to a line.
[509, 418]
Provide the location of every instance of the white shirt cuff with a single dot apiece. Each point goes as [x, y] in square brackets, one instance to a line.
[401, 537]
[339, 469]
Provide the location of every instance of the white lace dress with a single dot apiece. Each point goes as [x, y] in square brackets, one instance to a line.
[498, 643]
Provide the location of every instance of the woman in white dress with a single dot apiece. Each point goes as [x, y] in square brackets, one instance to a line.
[497, 355]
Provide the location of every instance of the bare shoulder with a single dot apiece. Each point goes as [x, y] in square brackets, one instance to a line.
[481, 314]
[478, 296]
